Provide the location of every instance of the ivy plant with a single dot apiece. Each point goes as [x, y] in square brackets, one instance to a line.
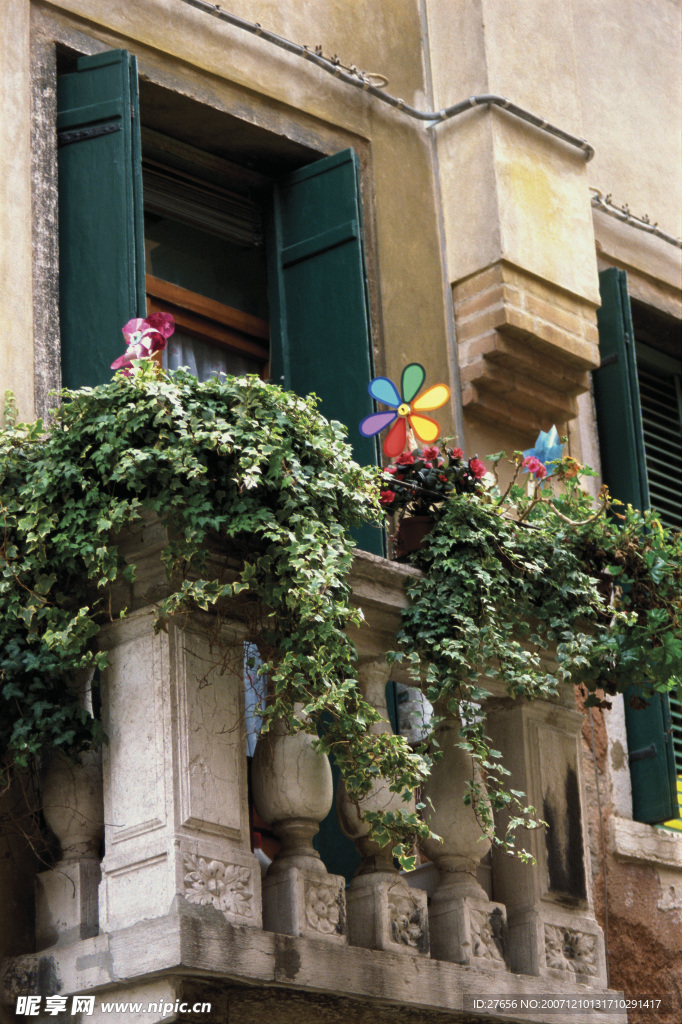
[234, 462]
[539, 568]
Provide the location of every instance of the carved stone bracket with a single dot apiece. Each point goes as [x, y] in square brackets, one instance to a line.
[513, 328]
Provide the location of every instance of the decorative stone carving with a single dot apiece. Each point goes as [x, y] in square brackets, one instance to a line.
[66, 895]
[223, 886]
[569, 950]
[324, 908]
[488, 935]
[383, 912]
[460, 915]
[407, 921]
[548, 907]
[292, 790]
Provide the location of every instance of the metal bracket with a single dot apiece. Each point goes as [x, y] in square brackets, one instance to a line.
[641, 755]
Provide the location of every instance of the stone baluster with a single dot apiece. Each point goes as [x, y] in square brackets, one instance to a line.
[465, 926]
[552, 928]
[383, 911]
[292, 791]
[66, 895]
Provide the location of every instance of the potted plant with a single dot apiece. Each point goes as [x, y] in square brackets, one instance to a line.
[418, 482]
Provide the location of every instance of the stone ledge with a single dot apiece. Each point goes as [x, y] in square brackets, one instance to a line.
[197, 942]
[634, 841]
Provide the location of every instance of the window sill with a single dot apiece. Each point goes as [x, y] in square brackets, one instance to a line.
[635, 841]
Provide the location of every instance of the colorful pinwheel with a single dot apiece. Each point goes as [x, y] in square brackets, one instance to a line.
[548, 448]
[406, 408]
[143, 337]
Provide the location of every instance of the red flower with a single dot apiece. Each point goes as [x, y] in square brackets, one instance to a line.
[477, 468]
[430, 453]
[457, 453]
[406, 459]
[390, 469]
[442, 477]
[386, 497]
[534, 465]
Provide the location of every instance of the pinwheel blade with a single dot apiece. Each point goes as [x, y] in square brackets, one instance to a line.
[384, 390]
[394, 442]
[412, 380]
[371, 425]
[548, 448]
[433, 398]
[426, 429]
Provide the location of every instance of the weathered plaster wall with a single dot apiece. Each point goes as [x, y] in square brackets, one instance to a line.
[232, 70]
[16, 339]
[637, 877]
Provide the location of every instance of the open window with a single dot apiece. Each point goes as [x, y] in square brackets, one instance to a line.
[235, 252]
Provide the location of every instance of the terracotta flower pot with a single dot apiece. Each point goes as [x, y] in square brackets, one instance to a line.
[411, 533]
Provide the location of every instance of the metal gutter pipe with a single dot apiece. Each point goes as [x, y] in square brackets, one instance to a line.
[360, 81]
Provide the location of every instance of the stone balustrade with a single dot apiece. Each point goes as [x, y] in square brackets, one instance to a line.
[172, 802]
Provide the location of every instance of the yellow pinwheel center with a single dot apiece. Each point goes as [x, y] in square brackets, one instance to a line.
[404, 409]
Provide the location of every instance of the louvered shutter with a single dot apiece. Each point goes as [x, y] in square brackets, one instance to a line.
[101, 246]
[624, 469]
[320, 327]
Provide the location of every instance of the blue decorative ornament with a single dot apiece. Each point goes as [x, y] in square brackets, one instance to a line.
[548, 448]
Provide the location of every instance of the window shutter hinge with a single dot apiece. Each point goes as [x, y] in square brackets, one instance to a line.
[640, 755]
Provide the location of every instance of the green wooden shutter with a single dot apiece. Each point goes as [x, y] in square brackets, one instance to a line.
[621, 444]
[101, 246]
[320, 327]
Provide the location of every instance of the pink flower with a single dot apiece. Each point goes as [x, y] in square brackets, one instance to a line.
[457, 453]
[386, 497]
[406, 459]
[477, 468]
[144, 337]
[390, 469]
[534, 465]
[430, 453]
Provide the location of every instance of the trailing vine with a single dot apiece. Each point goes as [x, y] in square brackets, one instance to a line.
[509, 576]
[235, 462]
[536, 586]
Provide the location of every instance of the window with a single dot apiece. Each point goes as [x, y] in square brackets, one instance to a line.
[314, 274]
[637, 394]
[205, 257]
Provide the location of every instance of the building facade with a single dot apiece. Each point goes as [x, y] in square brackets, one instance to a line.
[321, 192]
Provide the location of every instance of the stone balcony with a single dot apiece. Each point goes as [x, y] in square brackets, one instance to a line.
[180, 910]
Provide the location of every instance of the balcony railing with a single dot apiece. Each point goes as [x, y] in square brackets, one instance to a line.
[180, 892]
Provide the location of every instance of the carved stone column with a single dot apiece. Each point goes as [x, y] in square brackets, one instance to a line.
[383, 911]
[66, 895]
[552, 928]
[465, 926]
[292, 791]
[175, 789]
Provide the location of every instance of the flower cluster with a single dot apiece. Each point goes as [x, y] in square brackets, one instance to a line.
[144, 337]
[423, 478]
[535, 467]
